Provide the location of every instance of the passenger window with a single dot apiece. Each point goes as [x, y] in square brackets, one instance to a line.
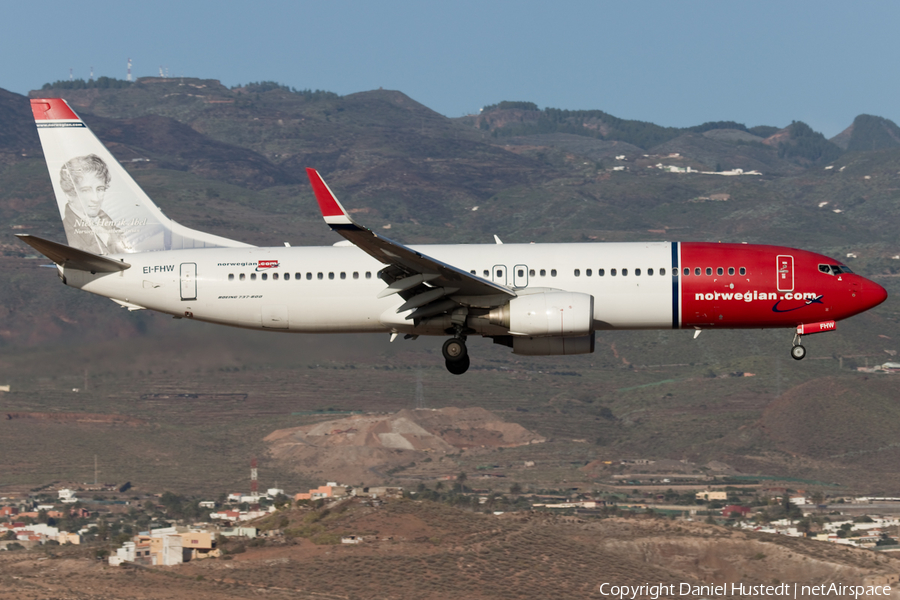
[743, 271]
[577, 272]
[343, 275]
[637, 272]
[624, 272]
[355, 274]
[368, 274]
[649, 271]
[252, 276]
[298, 275]
[709, 270]
[663, 272]
[612, 272]
[720, 271]
[601, 272]
[320, 275]
[543, 272]
[265, 276]
[487, 273]
[521, 272]
[243, 276]
[696, 270]
[552, 272]
[231, 277]
[687, 271]
[309, 275]
[499, 273]
[472, 271]
[731, 270]
[588, 272]
[275, 276]
[531, 272]
[331, 275]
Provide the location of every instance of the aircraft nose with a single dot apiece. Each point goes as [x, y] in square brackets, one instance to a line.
[873, 294]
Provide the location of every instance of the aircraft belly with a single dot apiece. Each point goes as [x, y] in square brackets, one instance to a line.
[638, 310]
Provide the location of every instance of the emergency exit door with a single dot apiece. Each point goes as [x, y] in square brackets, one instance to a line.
[188, 281]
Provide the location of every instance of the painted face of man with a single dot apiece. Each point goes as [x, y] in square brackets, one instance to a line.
[91, 191]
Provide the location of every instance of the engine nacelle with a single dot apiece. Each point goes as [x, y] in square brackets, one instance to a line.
[561, 314]
[556, 345]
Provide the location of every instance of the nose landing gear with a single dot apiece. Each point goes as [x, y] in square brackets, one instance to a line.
[798, 352]
[456, 356]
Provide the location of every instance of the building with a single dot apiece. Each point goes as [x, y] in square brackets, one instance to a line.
[197, 545]
[708, 495]
[65, 537]
[729, 510]
[67, 496]
[329, 490]
[379, 492]
[247, 532]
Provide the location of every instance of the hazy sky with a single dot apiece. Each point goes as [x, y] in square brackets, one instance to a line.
[672, 63]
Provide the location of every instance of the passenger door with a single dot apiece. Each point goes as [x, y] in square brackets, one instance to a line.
[785, 273]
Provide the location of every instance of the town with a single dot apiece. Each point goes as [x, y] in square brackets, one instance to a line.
[167, 529]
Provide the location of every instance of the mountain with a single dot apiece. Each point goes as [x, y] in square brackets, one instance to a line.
[230, 161]
[868, 133]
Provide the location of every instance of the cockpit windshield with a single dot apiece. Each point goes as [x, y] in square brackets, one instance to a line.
[834, 269]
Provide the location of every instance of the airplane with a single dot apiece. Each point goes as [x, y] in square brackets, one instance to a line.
[538, 299]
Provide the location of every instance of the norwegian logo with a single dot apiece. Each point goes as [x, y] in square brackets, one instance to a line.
[264, 265]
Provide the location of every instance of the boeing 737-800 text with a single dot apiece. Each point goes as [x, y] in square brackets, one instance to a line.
[539, 299]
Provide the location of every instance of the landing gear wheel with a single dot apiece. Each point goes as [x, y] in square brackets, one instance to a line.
[458, 367]
[798, 352]
[455, 350]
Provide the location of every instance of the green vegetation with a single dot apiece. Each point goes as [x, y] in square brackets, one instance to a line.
[261, 87]
[510, 105]
[808, 145]
[101, 83]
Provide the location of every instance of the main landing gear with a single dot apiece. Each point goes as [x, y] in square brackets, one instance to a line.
[456, 356]
[798, 352]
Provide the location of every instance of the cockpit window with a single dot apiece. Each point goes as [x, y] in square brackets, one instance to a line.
[834, 269]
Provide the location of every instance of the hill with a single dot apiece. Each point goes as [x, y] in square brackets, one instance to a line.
[364, 448]
[229, 161]
[868, 133]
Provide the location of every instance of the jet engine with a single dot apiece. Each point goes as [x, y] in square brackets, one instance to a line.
[547, 314]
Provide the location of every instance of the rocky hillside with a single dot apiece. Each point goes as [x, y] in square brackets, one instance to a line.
[365, 448]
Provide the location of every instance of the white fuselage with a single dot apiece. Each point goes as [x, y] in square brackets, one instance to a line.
[335, 289]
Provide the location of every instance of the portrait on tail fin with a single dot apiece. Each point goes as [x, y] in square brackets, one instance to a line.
[85, 181]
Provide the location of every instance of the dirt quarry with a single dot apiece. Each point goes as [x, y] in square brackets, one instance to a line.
[363, 448]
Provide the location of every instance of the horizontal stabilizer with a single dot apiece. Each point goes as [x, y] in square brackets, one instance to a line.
[73, 258]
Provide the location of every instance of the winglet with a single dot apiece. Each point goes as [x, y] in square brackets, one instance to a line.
[332, 210]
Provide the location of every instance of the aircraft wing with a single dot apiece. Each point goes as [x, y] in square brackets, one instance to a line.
[424, 282]
[73, 258]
